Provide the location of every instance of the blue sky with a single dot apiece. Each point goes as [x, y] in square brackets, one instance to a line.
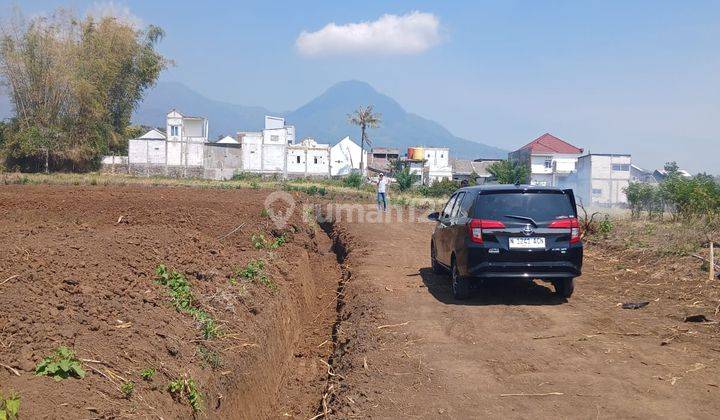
[640, 77]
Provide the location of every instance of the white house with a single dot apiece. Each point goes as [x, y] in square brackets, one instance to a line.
[345, 157]
[180, 146]
[601, 179]
[552, 161]
[308, 158]
[431, 163]
[265, 151]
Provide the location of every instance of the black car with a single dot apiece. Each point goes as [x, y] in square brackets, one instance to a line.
[508, 231]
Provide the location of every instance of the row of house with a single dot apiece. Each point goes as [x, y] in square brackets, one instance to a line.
[185, 150]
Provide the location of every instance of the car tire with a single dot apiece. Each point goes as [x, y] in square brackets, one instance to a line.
[460, 284]
[564, 287]
[436, 267]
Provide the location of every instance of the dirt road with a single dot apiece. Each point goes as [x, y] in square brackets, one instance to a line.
[513, 350]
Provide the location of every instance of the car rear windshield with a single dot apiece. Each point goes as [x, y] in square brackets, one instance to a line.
[537, 205]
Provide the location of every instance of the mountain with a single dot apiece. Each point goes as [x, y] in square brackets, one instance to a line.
[225, 118]
[325, 118]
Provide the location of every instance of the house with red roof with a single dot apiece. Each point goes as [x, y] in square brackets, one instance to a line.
[551, 160]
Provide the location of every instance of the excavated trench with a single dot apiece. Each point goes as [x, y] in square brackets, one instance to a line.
[293, 374]
[341, 250]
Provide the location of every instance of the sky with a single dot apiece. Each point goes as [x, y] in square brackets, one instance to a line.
[638, 77]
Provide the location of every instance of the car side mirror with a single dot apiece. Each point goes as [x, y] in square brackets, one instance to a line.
[434, 216]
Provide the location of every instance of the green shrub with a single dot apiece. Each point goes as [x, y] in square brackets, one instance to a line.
[9, 406]
[353, 180]
[442, 188]
[62, 364]
[405, 179]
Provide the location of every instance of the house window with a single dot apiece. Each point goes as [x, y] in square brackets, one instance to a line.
[297, 158]
[548, 163]
[597, 191]
[275, 138]
[620, 167]
[315, 160]
[174, 130]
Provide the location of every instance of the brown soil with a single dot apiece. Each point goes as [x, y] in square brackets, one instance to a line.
[397, 344]
[514, 350]
[85, 279]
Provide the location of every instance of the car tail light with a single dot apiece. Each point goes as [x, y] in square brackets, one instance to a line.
[476, 226]
[571, 224]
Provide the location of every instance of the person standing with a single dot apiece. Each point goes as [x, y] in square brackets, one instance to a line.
[381, 184]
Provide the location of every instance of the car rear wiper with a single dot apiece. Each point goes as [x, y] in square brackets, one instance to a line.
[529, 219]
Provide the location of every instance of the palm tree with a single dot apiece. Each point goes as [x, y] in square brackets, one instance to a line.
[365, 118]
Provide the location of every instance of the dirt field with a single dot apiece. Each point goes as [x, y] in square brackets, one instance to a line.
[77, 269]
[514, 350]
[82, 277]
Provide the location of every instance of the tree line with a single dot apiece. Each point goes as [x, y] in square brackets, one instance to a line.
[74, 84]
[680, 196]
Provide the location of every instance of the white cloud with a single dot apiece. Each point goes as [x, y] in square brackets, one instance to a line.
[411, 33]
[121, 12]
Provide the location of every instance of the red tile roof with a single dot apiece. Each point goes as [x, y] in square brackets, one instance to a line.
[547, 143]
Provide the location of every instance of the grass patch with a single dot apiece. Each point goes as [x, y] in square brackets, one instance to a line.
[62, 364]
[209, 357]
[184, 301]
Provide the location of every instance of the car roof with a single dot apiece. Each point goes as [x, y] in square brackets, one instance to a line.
[509, 188]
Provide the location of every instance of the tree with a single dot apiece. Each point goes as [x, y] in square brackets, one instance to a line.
[365, 118]
[509, 172]
[74, 83]
[405, 179]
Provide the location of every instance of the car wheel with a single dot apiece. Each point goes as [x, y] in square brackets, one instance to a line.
[564, 287]
[460, 284]
[436, 267]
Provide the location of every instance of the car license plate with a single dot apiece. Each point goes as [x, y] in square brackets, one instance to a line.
[527, 243]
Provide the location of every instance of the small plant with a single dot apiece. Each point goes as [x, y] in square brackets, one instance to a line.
[62, 364]
[183, 300]
[254, 185]
[180, 388]
[127, 388]
[209, 356]
[10, 406]
[254, 271]
[147, 374]
[264, 213]
[278, 242]
[259, 241]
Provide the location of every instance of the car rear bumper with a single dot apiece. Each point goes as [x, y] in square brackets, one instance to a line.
[566, 265]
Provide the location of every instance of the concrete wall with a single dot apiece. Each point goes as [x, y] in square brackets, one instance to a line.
[222, 160]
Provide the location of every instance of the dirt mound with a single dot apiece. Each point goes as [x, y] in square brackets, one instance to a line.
[81, 267]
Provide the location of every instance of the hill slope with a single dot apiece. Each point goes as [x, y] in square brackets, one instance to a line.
[325, 118]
